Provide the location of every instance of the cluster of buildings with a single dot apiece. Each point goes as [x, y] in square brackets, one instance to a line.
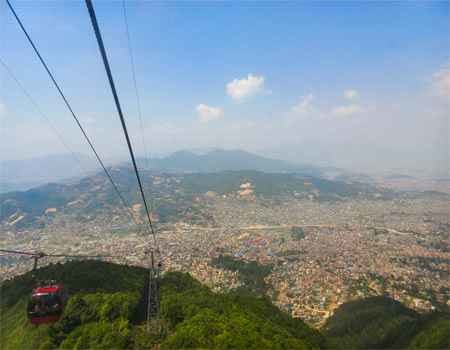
[350, 249]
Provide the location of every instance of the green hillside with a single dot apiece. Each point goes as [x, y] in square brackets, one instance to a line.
[251, 274]
[172, 194]
[382, 323]
[106, 311]
[270, 184]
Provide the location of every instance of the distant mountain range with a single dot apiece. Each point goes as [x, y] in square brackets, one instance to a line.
[19, 175]
[172, 194]
[225, 160]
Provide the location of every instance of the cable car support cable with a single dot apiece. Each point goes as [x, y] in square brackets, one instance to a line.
[153, 289]
[136, 90]
[42, 254]
[39, 255]
[119, 110]
[69, 107]
[41, 113]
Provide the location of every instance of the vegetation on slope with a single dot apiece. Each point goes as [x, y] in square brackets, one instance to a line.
[105, 311]
[97, 291]
[270, 184]
[94, 196]
[197, 318]
[435, 334]
[251, 274]
[381, 323]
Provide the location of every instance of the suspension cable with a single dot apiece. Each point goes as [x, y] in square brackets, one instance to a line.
[119, 110]
[41, 113]
[136, 90]
[42, 254]
[116, 189]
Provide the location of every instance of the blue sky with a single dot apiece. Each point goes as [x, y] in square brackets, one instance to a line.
[333, 83]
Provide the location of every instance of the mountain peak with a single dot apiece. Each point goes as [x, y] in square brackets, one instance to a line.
[215, 160]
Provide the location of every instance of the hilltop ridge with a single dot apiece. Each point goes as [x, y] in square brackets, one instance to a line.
[20, 175]
[172, 193]
[225, 160]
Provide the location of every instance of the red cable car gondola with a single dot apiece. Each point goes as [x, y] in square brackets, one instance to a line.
[46, 304]
[48, 299]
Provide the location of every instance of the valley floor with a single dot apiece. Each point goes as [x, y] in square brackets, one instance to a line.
[348, 250]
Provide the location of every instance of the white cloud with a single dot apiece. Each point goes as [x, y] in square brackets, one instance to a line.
[441, 82]
[304, 105]
[351, 94]
[347, 110]
[239, 89]
[207, 113]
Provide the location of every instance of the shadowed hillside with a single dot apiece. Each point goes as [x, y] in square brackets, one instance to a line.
[383, 323]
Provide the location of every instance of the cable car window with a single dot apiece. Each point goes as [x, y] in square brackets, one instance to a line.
[43, 304]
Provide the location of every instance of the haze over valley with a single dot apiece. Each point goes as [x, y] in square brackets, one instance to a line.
[323, 242]
[224, 175]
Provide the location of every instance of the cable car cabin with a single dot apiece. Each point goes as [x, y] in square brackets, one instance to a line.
[46, 304]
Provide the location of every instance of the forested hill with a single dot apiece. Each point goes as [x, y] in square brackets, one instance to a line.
[383, 323]
[172, 194]
[105, 311]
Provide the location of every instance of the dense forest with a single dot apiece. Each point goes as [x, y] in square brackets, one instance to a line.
[383, 323]
[105, 311]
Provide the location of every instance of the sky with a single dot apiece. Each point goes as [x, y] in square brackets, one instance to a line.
[360, 85]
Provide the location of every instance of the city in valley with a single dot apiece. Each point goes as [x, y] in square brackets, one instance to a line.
[313, 254]
[225, 175]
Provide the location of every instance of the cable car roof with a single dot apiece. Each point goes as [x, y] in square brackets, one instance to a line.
[47, 289]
